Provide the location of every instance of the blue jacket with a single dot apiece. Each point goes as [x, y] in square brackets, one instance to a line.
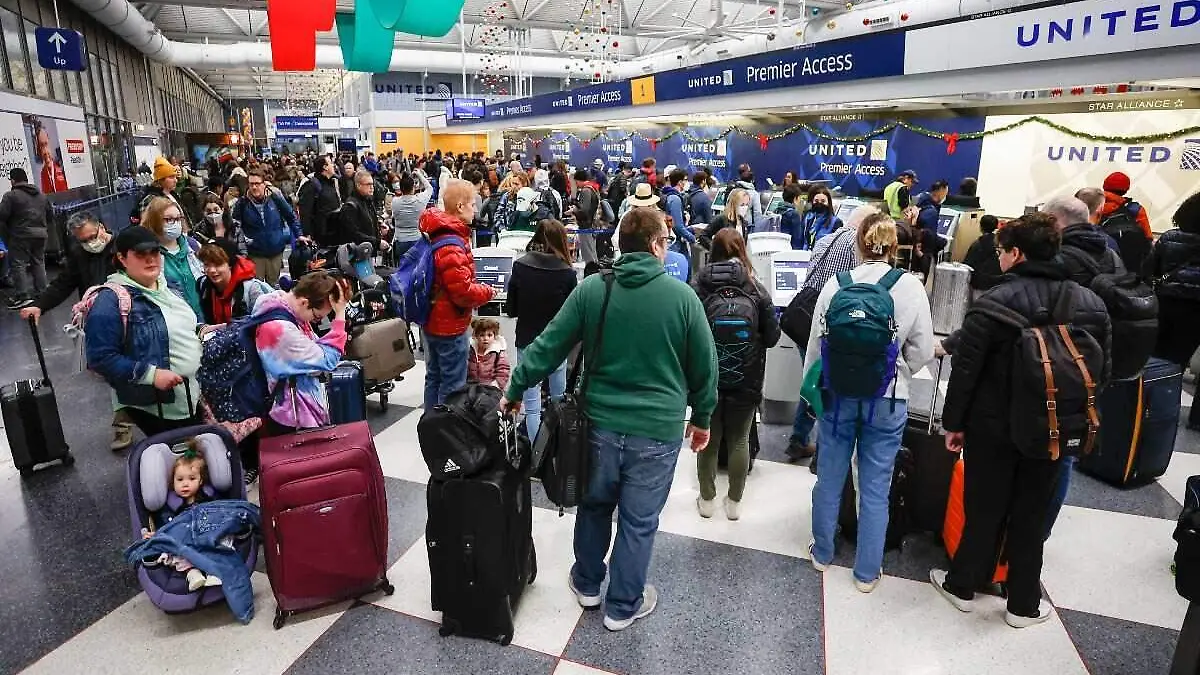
[673, 201]
[269, 227]
[195, 535]
[701, 206]
[791, 222]
[815, 227]
[123, 355]
[927, 220]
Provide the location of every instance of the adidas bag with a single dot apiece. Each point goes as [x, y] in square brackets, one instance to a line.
[412, 283]
[466, 435]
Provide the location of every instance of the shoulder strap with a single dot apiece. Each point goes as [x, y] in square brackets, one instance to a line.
[609, 277]
[449, 240]
[844, 279]
[1089, 383]
[1051, 389]
[893, 275]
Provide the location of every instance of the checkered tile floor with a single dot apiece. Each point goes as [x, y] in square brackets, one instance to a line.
[735, 597]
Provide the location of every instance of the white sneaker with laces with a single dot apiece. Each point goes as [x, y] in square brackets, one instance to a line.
[195, 579]
[733, 510]
[938, 579]
[210, 580]
[864, 587]
[585, 601]
[818, 566]
[1016, 621]
[649, 603]
[706, 507]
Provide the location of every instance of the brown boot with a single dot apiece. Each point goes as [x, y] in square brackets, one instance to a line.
[122, 436]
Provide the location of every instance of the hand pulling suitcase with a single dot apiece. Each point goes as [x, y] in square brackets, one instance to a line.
[324, 517]
[383, 348]
[479, 538]
[1138, 422]
[951, 296]
[346, 390]
[956, 521]
[933, 465]
[31, 419]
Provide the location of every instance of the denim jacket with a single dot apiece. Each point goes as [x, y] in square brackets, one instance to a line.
[196, 535]
[123, 355]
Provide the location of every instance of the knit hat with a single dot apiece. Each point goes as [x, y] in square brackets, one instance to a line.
[1116, 182]
[163, 169]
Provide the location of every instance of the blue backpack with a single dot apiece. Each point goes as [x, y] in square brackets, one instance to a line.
[412, 283]
[231, 376]
[860, 346]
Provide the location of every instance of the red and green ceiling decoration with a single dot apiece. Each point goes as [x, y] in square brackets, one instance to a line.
[367, 35]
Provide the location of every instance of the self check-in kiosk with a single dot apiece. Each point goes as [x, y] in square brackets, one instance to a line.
[785, 363]
[493, 266]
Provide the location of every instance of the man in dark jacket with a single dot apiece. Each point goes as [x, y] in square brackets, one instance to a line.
[357, 222]
[618, 189]
[1085, 250]
[981, 257]
[25, 216]
[88, 263]
[269, 225]
[318, 198]
[930, 209]
[697, 205]
[1008, 494]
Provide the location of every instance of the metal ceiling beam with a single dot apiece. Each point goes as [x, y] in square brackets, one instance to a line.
[538, 6]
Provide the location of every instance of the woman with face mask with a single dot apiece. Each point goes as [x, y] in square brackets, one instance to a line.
[819, 220]
[218, 226]
[180, 267]
[736, 215]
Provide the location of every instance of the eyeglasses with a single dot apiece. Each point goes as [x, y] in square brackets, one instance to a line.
[256, 183]
[172, 221]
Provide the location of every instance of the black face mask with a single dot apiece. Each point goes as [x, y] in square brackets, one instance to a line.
[820, 208]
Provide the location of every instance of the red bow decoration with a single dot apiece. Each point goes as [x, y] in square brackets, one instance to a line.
[537, 144]
[1077, 91]
[951, 142]
[653, 144]
[762, 141]
[1100, 90]
[295, 24]
[1122, 88]
[585, 143]
[1056, 92]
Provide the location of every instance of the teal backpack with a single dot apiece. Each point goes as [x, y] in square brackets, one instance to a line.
[859, 348]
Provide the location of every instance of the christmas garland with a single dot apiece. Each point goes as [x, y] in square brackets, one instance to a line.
[951, 139]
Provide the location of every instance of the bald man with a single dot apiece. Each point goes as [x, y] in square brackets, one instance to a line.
[455, 292]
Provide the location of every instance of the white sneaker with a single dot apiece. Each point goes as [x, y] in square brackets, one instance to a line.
[585, 601]
[938, 579]
[818, 566]
[864, 587]
[1027, 621]
[649, 603]
[733, 510]
[706, 507]
[210, 580]
[195, 579]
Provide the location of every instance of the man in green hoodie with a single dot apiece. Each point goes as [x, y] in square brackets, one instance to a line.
[656, 357]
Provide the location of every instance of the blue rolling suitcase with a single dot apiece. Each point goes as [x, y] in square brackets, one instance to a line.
[347, 394]
[1138, 422]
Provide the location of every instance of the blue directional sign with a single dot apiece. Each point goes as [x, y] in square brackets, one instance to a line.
[60, 49]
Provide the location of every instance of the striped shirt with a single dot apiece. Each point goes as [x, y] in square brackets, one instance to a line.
[835, 252]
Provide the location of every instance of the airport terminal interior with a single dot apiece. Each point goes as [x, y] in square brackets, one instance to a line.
[1006, 105]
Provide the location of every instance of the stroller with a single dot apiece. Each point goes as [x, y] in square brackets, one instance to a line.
[149, 471]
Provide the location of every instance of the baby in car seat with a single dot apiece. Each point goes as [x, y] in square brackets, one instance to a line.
[189, 477]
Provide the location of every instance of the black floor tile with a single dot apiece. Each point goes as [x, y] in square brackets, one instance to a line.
[1116, 647]
[1152, 500]
[369, 639]
[921, 552]
[722, 609]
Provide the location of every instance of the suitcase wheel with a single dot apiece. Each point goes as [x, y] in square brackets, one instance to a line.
[449, 627]
[26, 473]
[383, 404]
[505, 640]
[68, 460]
[532, 565]
[280, 619]
[387, 587]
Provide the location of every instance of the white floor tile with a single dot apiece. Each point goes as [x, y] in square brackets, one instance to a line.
[571, 668]
[1183, 465]
[410, 391]
[400, 452]
[1115, 565]
[139, 638]
[910, 629]
[548, 611]
[1185, 400]
[776, 508]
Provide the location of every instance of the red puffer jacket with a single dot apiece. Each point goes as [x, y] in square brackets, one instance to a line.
[455, 291]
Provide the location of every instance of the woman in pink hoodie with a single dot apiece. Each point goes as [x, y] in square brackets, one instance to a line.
[487, 362]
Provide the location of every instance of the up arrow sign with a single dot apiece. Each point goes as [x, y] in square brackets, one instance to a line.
[58, 41]
[60, 48]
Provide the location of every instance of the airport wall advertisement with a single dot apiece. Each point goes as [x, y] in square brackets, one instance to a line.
[53, 152]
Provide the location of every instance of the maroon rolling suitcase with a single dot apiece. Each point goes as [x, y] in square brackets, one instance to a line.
[324, 517]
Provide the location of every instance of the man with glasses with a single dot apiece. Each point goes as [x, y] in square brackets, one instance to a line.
[655, 358]
[358, 221]
[269, 225]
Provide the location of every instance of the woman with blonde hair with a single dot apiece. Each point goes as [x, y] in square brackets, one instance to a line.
[181, 267]
[735, 215]
[871, 425]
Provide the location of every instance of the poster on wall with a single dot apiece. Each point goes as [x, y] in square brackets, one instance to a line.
[53, 152]
[14, 149]
[1034, 163]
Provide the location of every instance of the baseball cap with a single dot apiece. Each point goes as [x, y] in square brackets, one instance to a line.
[910, 173]
[136, 238]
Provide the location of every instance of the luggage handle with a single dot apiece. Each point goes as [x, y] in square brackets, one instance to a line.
[937, 384]
[37, 343]
[187, 390]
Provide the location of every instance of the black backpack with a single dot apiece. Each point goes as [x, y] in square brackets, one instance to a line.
[733, 316]
[1053, 376]
[1123, 226]
[1187, 534]
[1132, 308]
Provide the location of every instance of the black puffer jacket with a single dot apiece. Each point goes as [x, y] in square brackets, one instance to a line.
[318, 198]
[539, 287]
[81, 271]
[1173, 267]
[732, 273]
[979, 393]
[25, 213]
[1084, 244]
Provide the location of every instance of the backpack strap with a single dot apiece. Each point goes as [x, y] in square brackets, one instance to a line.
[1051, 390]
[890, 279]
[844, 279]
[609, 279]
[1090, 384]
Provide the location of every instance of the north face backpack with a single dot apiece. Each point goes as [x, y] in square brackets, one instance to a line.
[733, 316]
[1133, 309]
[412, 283]
[231, 375]
[1132, 243]
[860, 345]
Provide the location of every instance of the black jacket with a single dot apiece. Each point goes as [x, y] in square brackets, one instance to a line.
[318, 198]
[716, 225]
[25, 213]
[1083, 243]
[356, 223]
[1173, 267]
[538, 288]
[979, 392]
[984, 264]
[732, 273]
[80, 271]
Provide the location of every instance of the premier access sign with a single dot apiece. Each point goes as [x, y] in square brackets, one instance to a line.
[60, 49]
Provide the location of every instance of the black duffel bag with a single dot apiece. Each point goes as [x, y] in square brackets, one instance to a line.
[796, 321]
[468, 435]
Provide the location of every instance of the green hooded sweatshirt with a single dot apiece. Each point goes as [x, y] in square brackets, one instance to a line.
[658, 355]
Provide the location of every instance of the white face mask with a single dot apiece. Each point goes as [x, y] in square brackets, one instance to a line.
[173, 230]
[214, 218]
[95, 246]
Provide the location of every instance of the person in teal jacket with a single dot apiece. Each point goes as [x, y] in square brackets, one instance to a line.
[656, 358]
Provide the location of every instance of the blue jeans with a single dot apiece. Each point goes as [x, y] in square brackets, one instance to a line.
[532, 400]
[805, 421]
[400, 248]
[633, 475]
[848, 423]
[445, 367]
[1060, 492]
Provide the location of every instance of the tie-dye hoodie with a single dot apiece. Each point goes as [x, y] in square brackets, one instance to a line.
[291, 349]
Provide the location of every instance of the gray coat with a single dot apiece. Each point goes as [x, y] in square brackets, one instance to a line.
[25, 213]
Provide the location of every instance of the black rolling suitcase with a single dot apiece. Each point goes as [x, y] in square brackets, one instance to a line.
[1138, 422]
[932, 464]
[479, 538]
[31, 420]
[898, 504]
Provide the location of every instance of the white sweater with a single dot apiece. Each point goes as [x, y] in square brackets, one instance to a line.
[913, 319]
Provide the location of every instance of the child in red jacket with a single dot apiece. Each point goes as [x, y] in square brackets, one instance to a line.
[487, 362]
